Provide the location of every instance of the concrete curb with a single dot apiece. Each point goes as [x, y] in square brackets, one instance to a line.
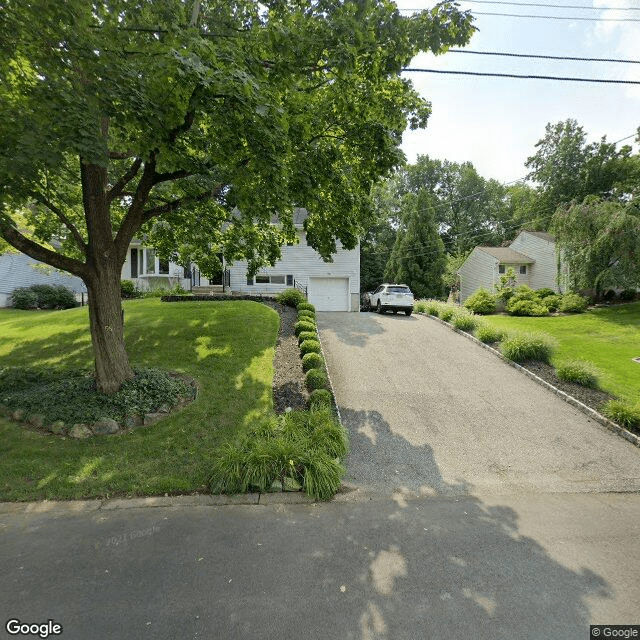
[594, 415]
[116, 504]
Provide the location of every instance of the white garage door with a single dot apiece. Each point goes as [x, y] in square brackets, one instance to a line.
[329, 294]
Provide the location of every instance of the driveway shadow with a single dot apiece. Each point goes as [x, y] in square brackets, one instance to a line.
[355, 329]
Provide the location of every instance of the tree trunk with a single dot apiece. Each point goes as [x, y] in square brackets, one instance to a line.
[107, 331]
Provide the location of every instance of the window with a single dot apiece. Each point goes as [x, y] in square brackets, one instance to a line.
[523, 269]
[501, 268]
[289, 281]
[151, 260]
[163, 266]
[265, 278]
[134, 263]
[249, 280]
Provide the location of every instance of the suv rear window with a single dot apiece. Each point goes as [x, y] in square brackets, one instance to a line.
[398, 290]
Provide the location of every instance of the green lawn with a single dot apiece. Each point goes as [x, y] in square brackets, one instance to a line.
[609, 337]
[227, 346]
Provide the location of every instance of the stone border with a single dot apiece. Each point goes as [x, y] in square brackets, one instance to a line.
[594, 415]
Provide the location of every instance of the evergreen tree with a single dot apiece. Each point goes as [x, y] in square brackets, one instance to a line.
[418, 257]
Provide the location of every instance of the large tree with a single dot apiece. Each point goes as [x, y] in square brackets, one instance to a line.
[198, 122]
[418, 257]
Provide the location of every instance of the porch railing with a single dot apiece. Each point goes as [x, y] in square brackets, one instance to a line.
[301, 287]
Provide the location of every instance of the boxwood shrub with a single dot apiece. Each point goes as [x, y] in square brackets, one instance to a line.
[481, 302]
[320, 398]
[304, 325]
[526, 307]
[305, 313]
[290, 297]
[312, 360]
[316, 379]
[307, 335]
[306, 305]
[310, 346]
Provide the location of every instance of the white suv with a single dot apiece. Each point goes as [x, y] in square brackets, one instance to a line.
[393, 297]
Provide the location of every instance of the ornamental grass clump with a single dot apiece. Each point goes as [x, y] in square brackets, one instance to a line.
[298, 450]
[520, 347]
[580, 372]
[464, 321]
[446, 312]
[623, 413]
[433, 308]
[488, 334]
[310, 346]
[420, 306]
[312, 360]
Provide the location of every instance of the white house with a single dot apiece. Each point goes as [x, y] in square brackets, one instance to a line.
[532, 255]
[330, 286]
[19, 270]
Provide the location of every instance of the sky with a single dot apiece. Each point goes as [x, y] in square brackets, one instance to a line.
[495, 122]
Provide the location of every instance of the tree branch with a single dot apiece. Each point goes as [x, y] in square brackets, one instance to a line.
[120, 155]
[119, 186]
[174, 205]
[82, 245]
[171, 175]
[38, 252]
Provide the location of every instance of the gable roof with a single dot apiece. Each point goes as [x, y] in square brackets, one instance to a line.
[506, 255]
[540, 234]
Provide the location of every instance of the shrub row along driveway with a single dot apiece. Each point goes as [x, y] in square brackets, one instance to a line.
[429, 412]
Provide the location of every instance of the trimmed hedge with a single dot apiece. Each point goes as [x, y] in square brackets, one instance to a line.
[307, 335]
[310, 346]
[320, 398]
[316, 379]
[43, 296]
[304, 325]
[312, 360]
[306, 305]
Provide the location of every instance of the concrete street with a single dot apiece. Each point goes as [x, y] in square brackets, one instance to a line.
[478, 505]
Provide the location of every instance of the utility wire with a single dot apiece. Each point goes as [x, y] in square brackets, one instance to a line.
[523, 15]
[513, 75]
[530, 55]
[552, 6]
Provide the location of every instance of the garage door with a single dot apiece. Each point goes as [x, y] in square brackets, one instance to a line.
[329, 294]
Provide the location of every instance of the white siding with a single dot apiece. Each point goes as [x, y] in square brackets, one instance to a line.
[19, 270]
[543, 251]
[145, 280]
[302, 262]
[480, 269]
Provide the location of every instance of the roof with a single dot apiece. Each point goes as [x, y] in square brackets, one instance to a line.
[299, 216]
[507, 256]
[540, 234]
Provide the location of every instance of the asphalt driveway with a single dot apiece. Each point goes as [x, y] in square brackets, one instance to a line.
[431, 413]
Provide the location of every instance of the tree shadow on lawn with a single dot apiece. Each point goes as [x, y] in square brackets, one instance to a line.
[174, 454]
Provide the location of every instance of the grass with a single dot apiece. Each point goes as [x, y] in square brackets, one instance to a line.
[607, 337]
[232, 361]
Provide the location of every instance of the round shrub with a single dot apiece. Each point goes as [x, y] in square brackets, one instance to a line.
[552, 302]
[23, 298]
[481, 302]
[306, 305]
[316, 379]
[305, 313]
[464, 321]
[572, 303]
[545, 292]
[578, 371]
[290, 298]
[307, 335]
[54, 296]
[487, 333]
[128, 290]
[524, 307]
[320, 398]
[520, 347]
[304, 325]
[312, 360]
[310, 346]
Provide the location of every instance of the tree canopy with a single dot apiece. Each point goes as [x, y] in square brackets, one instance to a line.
[199, 123]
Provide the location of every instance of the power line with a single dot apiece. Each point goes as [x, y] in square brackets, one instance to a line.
[522, 15]
[530, 55]
[513, 75]
[554, 6]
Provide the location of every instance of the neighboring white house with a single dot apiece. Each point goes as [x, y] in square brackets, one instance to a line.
[532, 255]
[330, 286]
[19, 270]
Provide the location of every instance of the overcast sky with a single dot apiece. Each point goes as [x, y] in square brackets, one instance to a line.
[495, 122]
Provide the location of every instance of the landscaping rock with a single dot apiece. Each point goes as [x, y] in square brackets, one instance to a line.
[18, 415]
[80, 431]
[58, 428]
[152, 418]
[165, 408]
[37, 421]
[131, 421]
[105, 427]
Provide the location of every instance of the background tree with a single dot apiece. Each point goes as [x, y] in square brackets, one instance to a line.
[119, 118]
[418, 256]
